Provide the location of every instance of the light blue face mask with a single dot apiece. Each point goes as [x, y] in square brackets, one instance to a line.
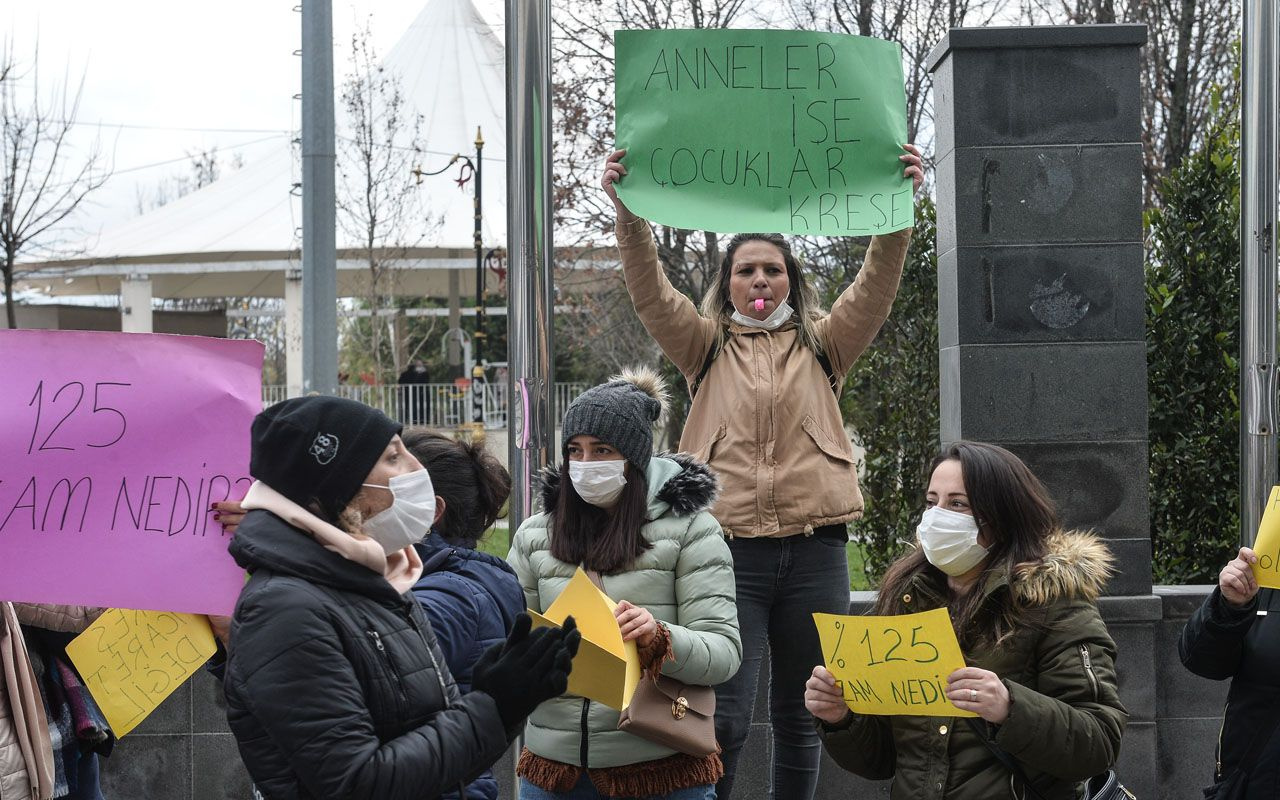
[780, 314]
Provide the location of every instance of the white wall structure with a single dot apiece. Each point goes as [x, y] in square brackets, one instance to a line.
[237, 236]
[135, 304]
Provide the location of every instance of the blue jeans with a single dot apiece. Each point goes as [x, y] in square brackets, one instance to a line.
[584, 790]
[781, 582]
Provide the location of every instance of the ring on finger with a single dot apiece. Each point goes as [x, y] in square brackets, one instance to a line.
[973, 695]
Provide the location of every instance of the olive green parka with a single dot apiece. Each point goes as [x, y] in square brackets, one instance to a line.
[1065, 717]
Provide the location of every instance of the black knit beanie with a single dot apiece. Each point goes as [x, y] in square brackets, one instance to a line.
[620, 413]
[318, 449]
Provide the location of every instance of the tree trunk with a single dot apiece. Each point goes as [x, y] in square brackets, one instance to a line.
[1180, 88]
[10, 313]
[864, 17]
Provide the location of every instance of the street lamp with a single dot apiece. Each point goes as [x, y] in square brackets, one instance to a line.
[479, 337]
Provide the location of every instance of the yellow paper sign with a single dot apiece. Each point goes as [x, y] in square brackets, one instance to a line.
[893, 665]
[132, 660]
[606, 669]
[1267, 543]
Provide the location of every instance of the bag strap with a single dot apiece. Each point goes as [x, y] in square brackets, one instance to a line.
[1009, 762]
[824, 361]
[706, 367]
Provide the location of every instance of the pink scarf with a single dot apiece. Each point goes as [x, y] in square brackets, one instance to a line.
[401, 569]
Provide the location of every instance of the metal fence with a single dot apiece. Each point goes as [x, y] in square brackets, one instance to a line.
[436, 405]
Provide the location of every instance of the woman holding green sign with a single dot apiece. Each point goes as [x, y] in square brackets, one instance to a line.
[1022, 596]
[764, 365]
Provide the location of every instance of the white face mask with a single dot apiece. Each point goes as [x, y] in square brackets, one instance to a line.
[411, 515]
[950, 540]
[780, 314]
[599, 482]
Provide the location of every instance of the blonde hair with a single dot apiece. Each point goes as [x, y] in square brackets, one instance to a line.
[717, 306]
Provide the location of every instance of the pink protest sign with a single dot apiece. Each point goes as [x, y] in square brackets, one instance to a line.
[112, 447]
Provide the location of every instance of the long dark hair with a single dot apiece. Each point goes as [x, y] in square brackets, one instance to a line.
[717, 305]
[606, 540]
[1015, 511]
[473, 484]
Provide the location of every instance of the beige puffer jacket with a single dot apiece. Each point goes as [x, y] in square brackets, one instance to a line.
[16, 782]
[765, 418]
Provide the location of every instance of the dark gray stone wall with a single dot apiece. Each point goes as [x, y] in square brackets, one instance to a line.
[1040, 273]
[184, 752]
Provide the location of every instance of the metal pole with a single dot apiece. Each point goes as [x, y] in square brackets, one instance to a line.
[479, 339]
[319, 255]
[1258, 263]
[532, 446]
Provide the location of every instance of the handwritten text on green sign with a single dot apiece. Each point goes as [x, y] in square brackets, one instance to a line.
[763, 130]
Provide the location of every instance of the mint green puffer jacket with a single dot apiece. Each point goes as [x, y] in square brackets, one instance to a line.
[686, 582]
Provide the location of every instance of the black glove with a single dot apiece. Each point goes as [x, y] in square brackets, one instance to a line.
[527, 669]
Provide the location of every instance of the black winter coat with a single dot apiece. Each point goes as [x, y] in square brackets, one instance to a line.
[335, 684]
[1242, 644]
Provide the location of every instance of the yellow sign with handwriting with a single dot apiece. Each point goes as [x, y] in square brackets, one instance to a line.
[893, 665]
[606, 669]
[132, 660]
[1267, 543]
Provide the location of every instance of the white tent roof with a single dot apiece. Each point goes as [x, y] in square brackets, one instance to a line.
[246, 225]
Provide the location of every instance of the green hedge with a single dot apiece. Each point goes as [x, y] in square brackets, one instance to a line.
[891, 398]
[1193, 323]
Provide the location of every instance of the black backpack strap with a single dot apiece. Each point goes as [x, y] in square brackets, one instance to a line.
[706, 367]
[824, 361]
[833, 380]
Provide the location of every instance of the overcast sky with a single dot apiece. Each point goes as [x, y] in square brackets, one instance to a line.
[164, 77]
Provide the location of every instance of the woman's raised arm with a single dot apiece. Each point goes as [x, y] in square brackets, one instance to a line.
[684, 335]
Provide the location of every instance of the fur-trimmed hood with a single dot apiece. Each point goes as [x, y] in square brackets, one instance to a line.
[693, 487]
[1076, 566]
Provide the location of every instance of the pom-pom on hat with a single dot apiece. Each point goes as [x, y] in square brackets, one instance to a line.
[318, 449]
[621, 413]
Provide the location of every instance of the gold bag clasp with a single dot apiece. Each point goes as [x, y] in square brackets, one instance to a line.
[679, 708]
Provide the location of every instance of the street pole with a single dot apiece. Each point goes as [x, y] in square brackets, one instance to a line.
[1258, 197]
[529, 244]
[479, 338]
[319, 253]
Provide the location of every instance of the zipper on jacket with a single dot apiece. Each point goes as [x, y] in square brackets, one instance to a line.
[583, 748]
[377, 643]
[1088, 670]
[435, 665]
[1217, 753]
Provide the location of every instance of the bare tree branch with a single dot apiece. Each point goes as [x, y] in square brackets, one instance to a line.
[43, 182]
[380, 203]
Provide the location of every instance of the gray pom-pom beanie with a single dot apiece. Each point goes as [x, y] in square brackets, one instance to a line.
[621, 413]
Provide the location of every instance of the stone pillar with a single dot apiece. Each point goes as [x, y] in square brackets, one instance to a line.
[1041, 293]
[135, 304]
[293, 332]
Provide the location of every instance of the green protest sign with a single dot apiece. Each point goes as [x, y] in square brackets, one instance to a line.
[760, 130]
